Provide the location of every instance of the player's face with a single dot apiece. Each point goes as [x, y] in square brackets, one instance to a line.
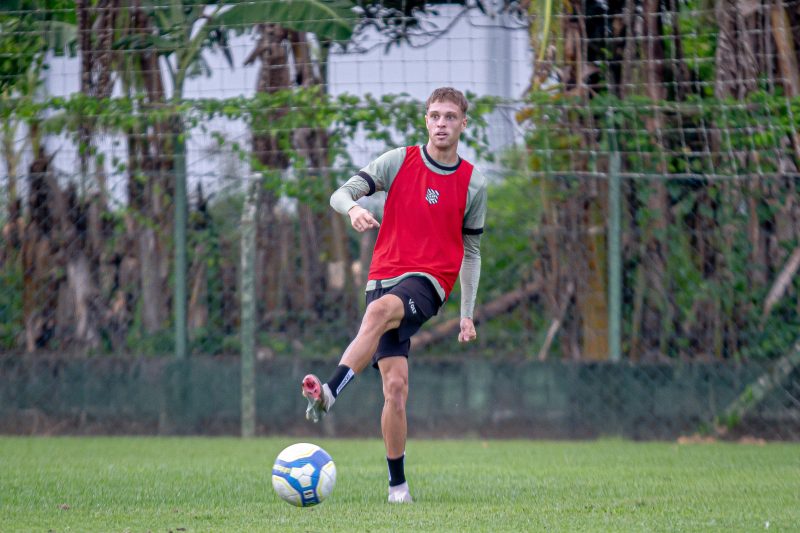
[445, 122]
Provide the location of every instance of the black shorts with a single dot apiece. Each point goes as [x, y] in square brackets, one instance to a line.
[421, 302]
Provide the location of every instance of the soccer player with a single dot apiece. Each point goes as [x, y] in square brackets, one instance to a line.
[430, 232]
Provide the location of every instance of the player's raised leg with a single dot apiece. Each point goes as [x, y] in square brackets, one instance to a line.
[394, 374]
[381, 315]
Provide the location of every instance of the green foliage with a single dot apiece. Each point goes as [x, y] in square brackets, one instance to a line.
[29, 29]
[399, 21]
[538, 176]
[18, 51]
[329, 20]
[179, 36]
[158, 343]
[704, 152]
[393, 119]
[760, 123]
[515, 207]
[223, 224]
[698, 31]
[211, 341]
[186, 28]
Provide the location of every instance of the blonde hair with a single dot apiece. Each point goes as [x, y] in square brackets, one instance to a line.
[448, 94]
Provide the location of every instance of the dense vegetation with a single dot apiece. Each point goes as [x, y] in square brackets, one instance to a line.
[693, 105]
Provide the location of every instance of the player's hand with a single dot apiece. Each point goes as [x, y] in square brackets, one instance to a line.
[468, 332]
[361, 219]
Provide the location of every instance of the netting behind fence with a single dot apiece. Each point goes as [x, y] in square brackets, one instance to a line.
[449, 398]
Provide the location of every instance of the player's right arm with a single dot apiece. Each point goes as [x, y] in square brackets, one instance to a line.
[377, 176]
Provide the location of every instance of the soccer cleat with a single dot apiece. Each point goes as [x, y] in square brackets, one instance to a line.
[400, 497]
[400, 494]
[314, 391]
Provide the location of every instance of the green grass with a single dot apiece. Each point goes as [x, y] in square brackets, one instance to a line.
[223, 484]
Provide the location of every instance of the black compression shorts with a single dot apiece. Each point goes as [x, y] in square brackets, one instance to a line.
[421, 302]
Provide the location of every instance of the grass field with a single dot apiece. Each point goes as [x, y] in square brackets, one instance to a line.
[223, 484]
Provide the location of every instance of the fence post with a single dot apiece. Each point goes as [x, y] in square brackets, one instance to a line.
[248, 304]
[614, 244]
[180, 240]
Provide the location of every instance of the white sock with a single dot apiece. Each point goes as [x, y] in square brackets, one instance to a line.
[328, 397]
[403, 487]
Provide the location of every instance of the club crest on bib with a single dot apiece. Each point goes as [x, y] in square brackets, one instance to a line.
[432, 196]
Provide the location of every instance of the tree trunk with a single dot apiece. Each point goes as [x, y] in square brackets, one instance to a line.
[14, 226]
[61, 298]
[197, 307]
[592, 296]
[150, 187]
[272, 52]
[680, 71]
[331, 278]
[736, 67]
[592, 301]
[39, 259]
[96, 29]
[787, 62]
[629, 49]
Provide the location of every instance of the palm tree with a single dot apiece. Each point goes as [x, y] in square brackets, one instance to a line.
[179, 33]
[28, 32]
[292, 51]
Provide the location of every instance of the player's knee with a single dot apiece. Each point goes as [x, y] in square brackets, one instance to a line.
[395, 391]
[381, 314]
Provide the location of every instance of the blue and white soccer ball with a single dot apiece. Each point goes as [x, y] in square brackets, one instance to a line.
[303, 474]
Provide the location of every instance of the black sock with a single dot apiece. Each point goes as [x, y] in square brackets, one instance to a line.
[340, 378]
[397, 475]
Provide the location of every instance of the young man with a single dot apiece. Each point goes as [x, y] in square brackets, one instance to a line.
[433, 218]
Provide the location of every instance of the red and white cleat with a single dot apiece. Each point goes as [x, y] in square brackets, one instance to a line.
[314, 392]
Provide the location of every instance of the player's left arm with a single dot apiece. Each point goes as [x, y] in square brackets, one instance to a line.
[470, 274]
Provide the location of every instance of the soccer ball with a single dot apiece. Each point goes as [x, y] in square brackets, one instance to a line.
[303, 474]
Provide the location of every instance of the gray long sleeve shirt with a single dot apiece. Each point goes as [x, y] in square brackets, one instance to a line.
[379, 175]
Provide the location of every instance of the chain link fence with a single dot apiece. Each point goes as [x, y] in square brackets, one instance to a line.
[642, 247]
[450, 397]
